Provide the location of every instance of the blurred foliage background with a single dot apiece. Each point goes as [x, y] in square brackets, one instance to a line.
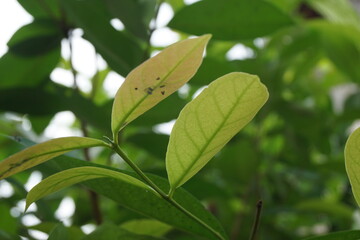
[307, 52]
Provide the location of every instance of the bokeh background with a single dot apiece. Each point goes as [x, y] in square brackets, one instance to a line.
[63, 61]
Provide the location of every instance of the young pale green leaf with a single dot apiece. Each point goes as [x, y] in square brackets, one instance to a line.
[207, 123]
[42, 152]
[352, 162]
[72, 176]
[343, 235]
[156, 79]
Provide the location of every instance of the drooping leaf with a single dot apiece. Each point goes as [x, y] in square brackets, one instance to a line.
[42, 9]
[42, 152]
[148, 227]
[72, 176]
[120, 51]
[343, 235]
[134, 14]
[352, 162]
[342, 12]
[28, 71]
[207, 123]
[36, 38]
[231, 19]
[156, 79]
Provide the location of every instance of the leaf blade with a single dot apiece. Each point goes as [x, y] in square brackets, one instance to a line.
[231, 20]
[156, 79]
[200, 134]
[352, 160]
[42, 152]
[72, 176]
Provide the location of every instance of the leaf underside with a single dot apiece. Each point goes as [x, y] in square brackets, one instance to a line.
[72, 176]
[42, 152]
[156, 79]
[207, 123]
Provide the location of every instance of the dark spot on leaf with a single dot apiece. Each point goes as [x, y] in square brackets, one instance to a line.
[162, 86]
[158, 78]
[162, 92]
[149, 90]
[136, 88]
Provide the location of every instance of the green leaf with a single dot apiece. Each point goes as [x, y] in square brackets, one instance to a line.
[110, 231]
[60, 232]
[42, 152]
[231, 19]
[207, 123]
[148, 227]
[42, 9]
[342, 12]
[156, 79]
[120, 51]
[134, 14]
[36, 38]
[72, 176]
[141, 201]
[352, 162]
[38, 67]
[343, 235]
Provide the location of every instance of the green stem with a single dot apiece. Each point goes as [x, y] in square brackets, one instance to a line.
[166, 197]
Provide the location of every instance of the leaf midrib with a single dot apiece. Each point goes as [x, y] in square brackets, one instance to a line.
[202, 150]
[118, 128]
[24, 160]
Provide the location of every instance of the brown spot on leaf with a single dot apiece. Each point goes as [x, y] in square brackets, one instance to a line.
[162, 92]
[158, 78]
[162, 86]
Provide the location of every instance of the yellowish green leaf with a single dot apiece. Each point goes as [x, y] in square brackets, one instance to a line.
[156, 79]
[42, 152]
[352, 163]
[207, 123]
[72, 176]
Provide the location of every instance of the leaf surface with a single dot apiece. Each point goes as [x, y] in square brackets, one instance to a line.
[231, 19]
[72, 176]
[352, 162]
[42, 152]
[156, 79]
[207, 123]
[343, 235]
[140, 200]
[121, 52]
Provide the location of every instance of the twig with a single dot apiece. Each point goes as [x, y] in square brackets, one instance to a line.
[256, 221]
[166, 197]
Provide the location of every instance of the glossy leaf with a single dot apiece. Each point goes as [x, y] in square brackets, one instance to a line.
[207, 123]
[156, 79]
[343, 235]
[72, 176]
[231, 19]
[42, 152]
[352, 162]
